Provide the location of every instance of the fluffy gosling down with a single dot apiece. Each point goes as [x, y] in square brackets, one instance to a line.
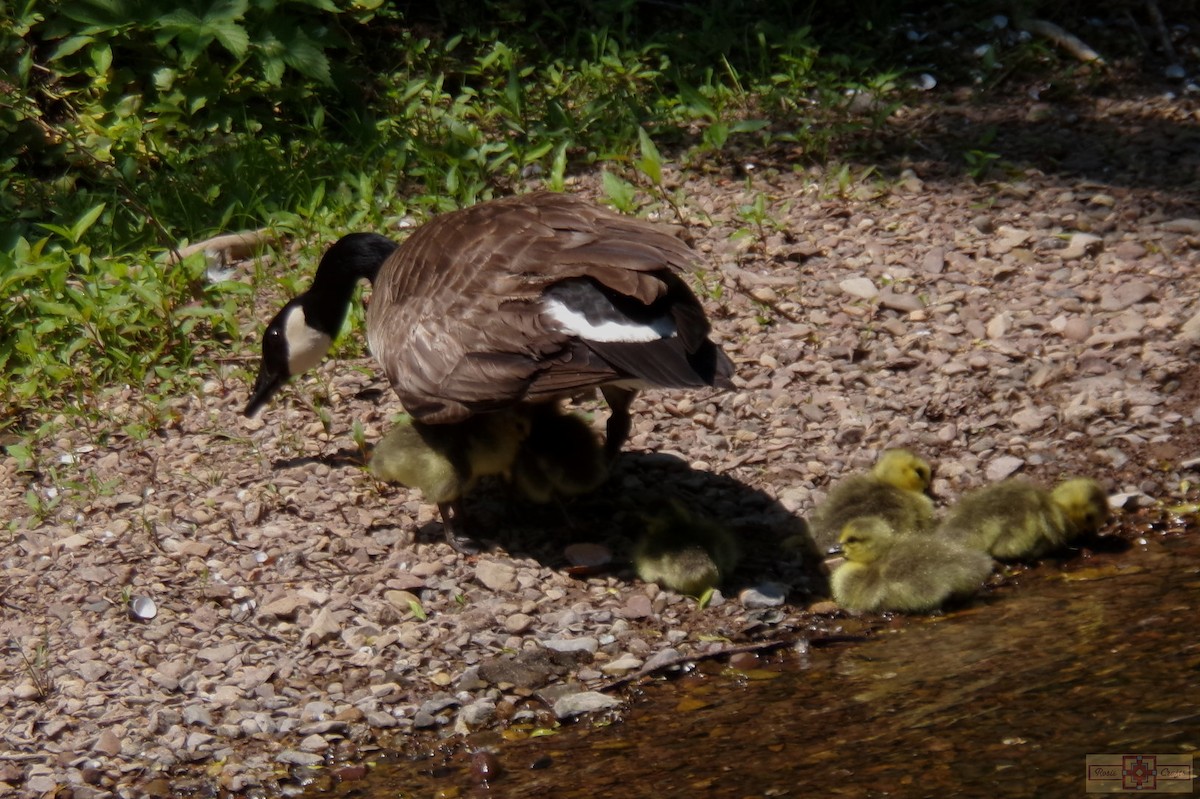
[684, 553]
[445, 461]
[893, 490]
[562, 456]
[912, 574]
[1016, 519]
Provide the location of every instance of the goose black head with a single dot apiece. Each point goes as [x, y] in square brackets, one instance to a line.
[299, 336]
[291, 345]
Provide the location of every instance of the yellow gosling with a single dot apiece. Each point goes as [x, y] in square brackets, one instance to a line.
[444, 461]
[912, 574]
[895, 489]
[562, 456]
[684, 552]
[1016, 519]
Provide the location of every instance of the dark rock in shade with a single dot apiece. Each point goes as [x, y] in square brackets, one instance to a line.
[531, 669]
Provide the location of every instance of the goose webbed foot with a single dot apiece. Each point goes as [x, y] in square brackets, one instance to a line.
[619, 420]
[452, 522]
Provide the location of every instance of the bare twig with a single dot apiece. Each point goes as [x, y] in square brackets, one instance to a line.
[20, 757]
[238, 246]
[34, 674]
[1067, 41]
[759, 646]
[1160, 27]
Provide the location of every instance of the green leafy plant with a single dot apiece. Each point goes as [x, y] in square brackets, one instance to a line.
[979, 163]
[620, 193]
[37, 666]
[360, 439]
[759, 220]
[121, 124]
[79, 321]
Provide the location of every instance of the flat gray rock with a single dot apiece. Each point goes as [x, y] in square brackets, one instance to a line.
[585, 702]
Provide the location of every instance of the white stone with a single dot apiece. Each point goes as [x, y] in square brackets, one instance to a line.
[860, 287]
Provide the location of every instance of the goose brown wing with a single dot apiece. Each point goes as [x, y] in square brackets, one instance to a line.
[458, 319]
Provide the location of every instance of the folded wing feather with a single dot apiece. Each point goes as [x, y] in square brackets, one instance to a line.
[461, 325]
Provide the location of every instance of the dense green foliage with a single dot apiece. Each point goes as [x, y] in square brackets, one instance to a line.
[128, 127]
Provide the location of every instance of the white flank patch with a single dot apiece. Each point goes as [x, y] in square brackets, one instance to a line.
[576, 323]
[306, 346]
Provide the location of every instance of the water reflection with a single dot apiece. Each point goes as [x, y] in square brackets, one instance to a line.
[1003, 698]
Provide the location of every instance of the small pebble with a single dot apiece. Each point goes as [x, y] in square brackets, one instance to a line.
[860, 287]
[1081, 245]
[763, 595]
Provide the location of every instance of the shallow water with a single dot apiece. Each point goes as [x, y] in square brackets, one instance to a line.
[1004, 698]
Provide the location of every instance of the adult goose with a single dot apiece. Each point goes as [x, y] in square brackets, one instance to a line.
[524, 299]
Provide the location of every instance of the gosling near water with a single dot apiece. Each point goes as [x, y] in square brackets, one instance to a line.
[562, 456]
[912, 574]
[445, 461]
[683, 552]
[1016, 519]
[895, 490]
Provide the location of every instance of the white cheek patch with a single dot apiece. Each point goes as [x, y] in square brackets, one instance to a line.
[577, 324]
[305, 345]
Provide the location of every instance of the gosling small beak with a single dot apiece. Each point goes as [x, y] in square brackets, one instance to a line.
[830, 563]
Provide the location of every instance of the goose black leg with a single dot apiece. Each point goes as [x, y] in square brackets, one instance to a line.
[619, 421]
[452, 516]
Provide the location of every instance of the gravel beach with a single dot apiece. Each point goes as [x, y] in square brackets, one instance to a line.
[1042, 321]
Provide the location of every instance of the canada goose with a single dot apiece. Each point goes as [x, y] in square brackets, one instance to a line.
[684, 552]
[894, 489]
[914, 574]
[1016, 519]
[561, 457]
[524, 299]
[444, 461]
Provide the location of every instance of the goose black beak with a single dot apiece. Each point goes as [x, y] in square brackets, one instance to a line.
[265, 386]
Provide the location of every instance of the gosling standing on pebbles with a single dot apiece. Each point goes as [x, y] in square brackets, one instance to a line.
[684, 552]
[895, 490]
[445, 461]
[1016, 519]
[562, 456]
[912, 574]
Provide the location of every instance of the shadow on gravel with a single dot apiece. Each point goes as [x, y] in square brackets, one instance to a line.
[345, 457]
[774, 542]
[775, 545]
[1150, 143]
[1136, 138]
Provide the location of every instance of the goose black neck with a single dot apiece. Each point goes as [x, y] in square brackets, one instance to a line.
[353, 257]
